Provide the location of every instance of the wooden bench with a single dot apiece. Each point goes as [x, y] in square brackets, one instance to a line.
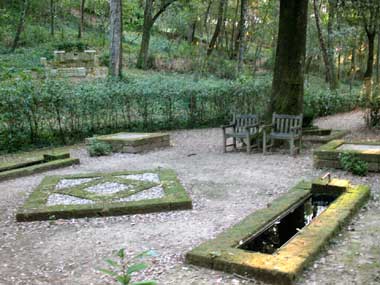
[244, 128]
[283, 127]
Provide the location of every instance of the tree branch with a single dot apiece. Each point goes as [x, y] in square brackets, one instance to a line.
[162, 9]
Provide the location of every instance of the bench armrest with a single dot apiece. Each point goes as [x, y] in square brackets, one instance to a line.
[227, 126]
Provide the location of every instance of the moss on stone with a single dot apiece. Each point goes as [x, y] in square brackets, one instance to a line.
[35, 208]
[286, 263]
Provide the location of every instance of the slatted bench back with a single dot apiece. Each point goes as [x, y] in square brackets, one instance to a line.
[283, 123]
[241, 121]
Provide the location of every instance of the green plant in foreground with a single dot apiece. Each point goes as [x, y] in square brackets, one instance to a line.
[122, 269]
[350, 162]
[98, 148]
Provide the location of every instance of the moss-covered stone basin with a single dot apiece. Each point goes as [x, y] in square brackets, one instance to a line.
[287, 262]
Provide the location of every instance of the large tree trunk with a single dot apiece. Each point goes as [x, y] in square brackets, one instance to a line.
[371, 53]
[142, 60]
[242, 32]
[52, 15]
[81, 22]
[116, 49]
[325, 54]
[21, 24]
[218, 27]
[288, 77]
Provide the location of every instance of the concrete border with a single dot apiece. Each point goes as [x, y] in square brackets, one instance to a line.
[35, 208]
[327, 155]
[286, 264]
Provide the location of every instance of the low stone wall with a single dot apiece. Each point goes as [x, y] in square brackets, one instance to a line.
[316, 135]
[327, 155]
[287, 263]
[48, 162]
[135, 142]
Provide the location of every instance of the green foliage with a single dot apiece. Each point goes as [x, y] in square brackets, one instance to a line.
[57, 112]
[371, 103]
[350, 162]
[72, 46]
[319, 101]
[98, 148]
[122, 270]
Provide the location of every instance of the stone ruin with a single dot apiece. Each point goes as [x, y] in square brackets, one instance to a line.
[74, 65]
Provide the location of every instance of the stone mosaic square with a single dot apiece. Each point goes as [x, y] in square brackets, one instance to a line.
[95, 194]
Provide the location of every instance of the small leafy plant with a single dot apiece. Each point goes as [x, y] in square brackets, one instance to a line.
[122, 269]
[350, 162]
[98, 148]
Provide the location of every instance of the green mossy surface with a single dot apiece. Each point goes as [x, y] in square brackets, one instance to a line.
[327, 155]
[35, 208]
[35, 166]
[283, 267]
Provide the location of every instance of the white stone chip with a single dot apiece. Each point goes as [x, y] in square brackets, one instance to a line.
[64, 183]
[149, 177]
[151, 193]
[61, 199]
[107, 188]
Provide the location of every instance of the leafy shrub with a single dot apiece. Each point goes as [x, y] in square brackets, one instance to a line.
[122, 271]
[371, 103]
[350, 162]
[72, 46]
[98, 148]
[56, 112]
[322, 102]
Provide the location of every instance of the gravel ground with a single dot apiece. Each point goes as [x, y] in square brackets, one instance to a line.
[224, 187]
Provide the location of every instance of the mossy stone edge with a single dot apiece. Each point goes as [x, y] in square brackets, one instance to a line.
[327, 155]
[287, 263]
[36, 166]
[35, 208]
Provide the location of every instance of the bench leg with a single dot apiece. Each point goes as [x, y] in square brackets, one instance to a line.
[224, 142]
[291, 142]
[234, 143]
[300, 146]
[264, 143]
[248, 144]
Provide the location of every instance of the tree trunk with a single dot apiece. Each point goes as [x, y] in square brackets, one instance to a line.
[52, 15]
[242, 32]
[288, 78]
[21, 25]
[81, 22]
[330, 44]
[191, 32]
[325, 54]
[378, 58]
[218, 27]
[116, 49]
[371, 54]
[233, 34]
[142, 60]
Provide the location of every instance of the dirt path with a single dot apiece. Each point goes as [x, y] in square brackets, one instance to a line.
[224, 188]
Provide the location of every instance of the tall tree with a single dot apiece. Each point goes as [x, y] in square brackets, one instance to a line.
[330, 77]
[149, 20]
[288, 78]
[242, 32]
[218, 27]
[52, 16]
[116, 48]
[81, 21]
[21, 24]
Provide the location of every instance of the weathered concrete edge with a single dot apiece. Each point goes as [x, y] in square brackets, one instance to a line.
[220, 254]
